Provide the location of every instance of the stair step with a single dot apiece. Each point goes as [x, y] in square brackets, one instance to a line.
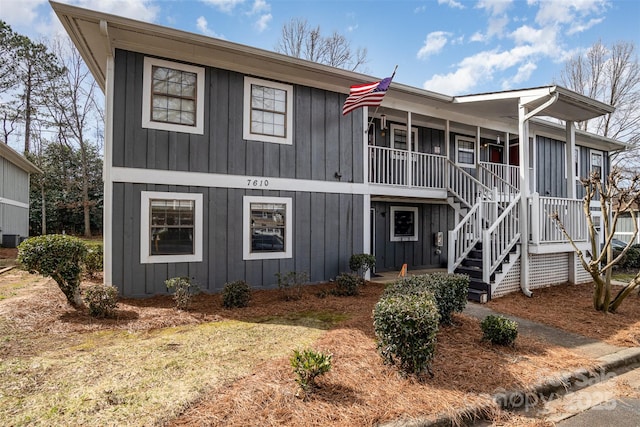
[473, 272]
[478, 296]
[472, 262]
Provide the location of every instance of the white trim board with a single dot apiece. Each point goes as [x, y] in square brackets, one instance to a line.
[10, 202]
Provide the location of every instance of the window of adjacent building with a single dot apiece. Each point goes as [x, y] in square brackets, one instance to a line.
[170, 227]
[173, 96]
[404, 224]
[267, 227]
[466, 152]
[399, 137]
[268, 111]
[596, 162]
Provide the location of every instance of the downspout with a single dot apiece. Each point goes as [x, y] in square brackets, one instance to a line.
[523, 130]
[107, 228]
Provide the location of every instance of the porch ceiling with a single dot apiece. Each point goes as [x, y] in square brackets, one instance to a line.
[569, 106]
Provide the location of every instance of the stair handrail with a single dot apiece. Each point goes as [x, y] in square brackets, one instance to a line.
[459, 242]
[500, 238]
[472, 187]
[503, 183]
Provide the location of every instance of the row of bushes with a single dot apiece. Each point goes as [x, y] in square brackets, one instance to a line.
[630, 260]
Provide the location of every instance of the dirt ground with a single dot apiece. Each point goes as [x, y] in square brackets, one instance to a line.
[359, 390]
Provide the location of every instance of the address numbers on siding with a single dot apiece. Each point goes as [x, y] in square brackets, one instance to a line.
[257, 182]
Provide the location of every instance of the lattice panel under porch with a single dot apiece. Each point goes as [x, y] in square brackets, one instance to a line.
[548, 269]
[510, 283]
[581, 274]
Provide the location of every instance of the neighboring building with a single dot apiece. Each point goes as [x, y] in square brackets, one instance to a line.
[14, 195]
[226, 162]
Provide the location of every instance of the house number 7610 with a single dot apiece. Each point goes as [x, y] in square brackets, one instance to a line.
[257, 183]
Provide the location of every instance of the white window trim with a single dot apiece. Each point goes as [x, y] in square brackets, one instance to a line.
[414, 136]
[597, 153]
[147, 123]
[145, 226]
[474, 151]
[246, 228]
[246, 119]
[576, 153]
[395, 238]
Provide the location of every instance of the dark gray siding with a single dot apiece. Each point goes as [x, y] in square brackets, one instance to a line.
[324, 141]
[327, 230]
[420, 254]
[551, 178]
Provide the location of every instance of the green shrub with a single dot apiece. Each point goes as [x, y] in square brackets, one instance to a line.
[308, 365]
[630, 260]
[450, 291]
[499, 330]
[57, 256]
[361, 263]
[291, 284]
[406, 326]
[94, 259]
[236, 294]
[101, 300]
[347, 284]
[185, 289]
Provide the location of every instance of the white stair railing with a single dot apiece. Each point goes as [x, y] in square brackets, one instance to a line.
[464, 236]
[500, 238]
[464, 186]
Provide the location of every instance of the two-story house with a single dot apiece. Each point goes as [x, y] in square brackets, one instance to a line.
[226, 162]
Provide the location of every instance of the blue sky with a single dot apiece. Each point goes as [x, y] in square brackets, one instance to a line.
[448, 46]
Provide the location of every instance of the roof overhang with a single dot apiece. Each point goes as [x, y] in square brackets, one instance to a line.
[568, 105]
[14, 157]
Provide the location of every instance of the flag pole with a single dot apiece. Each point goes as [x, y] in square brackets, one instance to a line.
[377, 107]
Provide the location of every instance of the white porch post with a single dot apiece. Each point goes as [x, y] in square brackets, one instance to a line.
[107, 220]
[477, 148]
[409, 152]
[523, 130]
[570, 157]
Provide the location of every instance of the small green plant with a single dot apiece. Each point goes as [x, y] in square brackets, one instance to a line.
[101, 300]
[236, 294]
[94, 259]
[406, 326]
[361, 263]
[307, 365]
[185, 289]
[499, 330]
[57, 256]
[347, 284]
[291, 284]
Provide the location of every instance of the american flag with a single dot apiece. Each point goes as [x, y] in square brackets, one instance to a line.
[369, 95]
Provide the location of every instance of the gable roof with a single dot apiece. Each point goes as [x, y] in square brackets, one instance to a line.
[20, 161]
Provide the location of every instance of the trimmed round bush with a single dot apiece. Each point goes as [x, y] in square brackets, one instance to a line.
[450, 291]
[499, 330]
[58, 256]
[101, 300]
[307, 365]
[236, 294]
[406, 326]
[362, 263]
[94, 260]
[184, 291]
[347, 284]
[630, 260]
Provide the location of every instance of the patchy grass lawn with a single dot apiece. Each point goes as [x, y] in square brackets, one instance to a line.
[213, 366]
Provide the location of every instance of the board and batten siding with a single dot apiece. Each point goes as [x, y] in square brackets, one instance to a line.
[421, 253]
[324, 141]
[327, 230]
[14, 187]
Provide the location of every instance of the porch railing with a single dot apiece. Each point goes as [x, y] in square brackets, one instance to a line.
[507, 173]
[544, 228]
[465, 236]
[494, 177]
[464, 186]
[390, 166]
[500, 238]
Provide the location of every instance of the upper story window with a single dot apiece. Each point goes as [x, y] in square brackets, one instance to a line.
[596, 163]
[466, 151]
[170, 227]
[268, 111]
[399, 137]
[173, 96]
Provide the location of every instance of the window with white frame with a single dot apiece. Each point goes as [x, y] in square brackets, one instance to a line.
[173, 96]
[576, 155]
[465, 151]
[170, 227]
[404, 224]
[267, 230]
[268, 111]
[596, 162]
[399, 137]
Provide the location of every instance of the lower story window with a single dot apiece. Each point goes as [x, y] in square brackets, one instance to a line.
[404, 224]
[171, 227]
[267, 227]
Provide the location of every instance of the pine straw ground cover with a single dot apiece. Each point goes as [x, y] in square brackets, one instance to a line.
[570, 307]
[213, 366]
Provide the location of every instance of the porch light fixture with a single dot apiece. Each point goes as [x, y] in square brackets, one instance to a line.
[383, 121]
[498, 139]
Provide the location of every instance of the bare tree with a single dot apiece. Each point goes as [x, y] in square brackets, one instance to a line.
[620, 195]
[300, 40]
[610, 75]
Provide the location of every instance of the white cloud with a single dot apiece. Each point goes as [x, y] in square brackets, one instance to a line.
[580, 27]
[21, 12]
[420, 9]
[142, 10]
[260, 6]
[452, 3]
[494, 7]
[434, 43]
[203, 26]
[563, 12]
[524, 73]
[223, 5]
[456, 83]
[263, 22]
[478, 37]
[352, 28]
